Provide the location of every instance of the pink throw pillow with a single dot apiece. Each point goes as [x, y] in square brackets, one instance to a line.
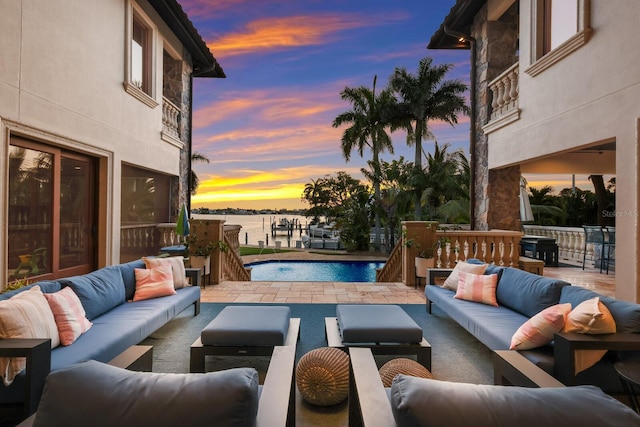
[477, 288]
[452, 281]
[153, 283]
[25, 315]
[177, 267]
[69, 314]
[539, 330]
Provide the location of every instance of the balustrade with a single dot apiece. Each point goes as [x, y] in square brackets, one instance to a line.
[170, 118]
[497, 246]
[504, 89]
[570, 241]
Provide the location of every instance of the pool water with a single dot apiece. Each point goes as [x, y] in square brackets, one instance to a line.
[314, 271]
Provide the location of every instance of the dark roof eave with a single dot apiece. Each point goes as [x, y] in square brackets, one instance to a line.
[204, 63]
[459, 19]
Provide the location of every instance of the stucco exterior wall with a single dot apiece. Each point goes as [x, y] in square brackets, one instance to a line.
[62, 68]
[589, 96]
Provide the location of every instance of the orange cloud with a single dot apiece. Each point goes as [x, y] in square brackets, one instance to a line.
[288, 32]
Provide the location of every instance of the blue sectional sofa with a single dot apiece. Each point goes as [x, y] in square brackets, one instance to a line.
[117, 323]
[520, 296]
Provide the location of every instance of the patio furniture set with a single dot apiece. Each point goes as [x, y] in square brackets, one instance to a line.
[362, 331]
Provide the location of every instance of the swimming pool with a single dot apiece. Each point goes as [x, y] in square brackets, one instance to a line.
[314, 271]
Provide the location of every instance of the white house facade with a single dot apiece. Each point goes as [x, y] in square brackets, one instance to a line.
[555, 90]
[95, 128]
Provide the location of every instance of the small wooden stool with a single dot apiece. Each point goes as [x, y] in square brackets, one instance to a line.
[531, 265]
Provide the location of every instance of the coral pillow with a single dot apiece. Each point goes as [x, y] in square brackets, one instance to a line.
[452, 281]
[177, 268]
[69, 314]
[539, 330]
[478, 288]
[590, 317]
[153, 283]
[25, 315]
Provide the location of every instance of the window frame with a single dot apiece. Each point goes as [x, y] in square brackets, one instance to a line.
[146, 93]
[541, 59]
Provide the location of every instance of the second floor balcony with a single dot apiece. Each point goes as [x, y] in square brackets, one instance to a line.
[504, 99]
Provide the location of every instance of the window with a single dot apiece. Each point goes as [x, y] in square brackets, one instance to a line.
[560, 22]
[140, 53]
[140, 59]
[145, 196]
[559, 28]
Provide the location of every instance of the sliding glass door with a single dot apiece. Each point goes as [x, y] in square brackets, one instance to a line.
[51, 218]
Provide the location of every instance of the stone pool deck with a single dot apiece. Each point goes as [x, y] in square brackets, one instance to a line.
[355, 292]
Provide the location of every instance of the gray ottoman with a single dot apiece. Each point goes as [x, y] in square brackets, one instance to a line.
[385, 329]
[244, 330]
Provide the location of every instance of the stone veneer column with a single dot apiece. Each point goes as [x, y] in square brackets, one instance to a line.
[496, 50]
[176, 81]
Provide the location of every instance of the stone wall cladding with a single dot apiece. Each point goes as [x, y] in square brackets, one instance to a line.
[496, 50]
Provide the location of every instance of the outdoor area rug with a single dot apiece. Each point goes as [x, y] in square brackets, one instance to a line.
[456, 354]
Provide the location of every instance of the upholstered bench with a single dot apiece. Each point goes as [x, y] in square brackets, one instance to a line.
[245, 330]
[385, 329]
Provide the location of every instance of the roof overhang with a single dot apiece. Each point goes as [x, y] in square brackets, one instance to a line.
[458, 21]
[204, 63]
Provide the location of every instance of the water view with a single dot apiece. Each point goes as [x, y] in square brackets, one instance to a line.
[257, 228]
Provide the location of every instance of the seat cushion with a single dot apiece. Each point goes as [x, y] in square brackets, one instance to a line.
[372, 323]
[248, 326]
[96, 394]
[424, 402]
[527, 293]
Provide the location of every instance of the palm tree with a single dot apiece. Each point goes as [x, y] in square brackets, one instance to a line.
[194, 181]
[425, 96]
[368, 119]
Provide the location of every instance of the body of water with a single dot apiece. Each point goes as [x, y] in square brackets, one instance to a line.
[314, 271]
[257, 228]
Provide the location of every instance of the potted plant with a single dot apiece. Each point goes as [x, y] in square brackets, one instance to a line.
[200, 252]
[424, 260]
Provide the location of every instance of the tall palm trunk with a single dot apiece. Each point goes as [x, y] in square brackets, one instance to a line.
[417, 211]
[376, 192]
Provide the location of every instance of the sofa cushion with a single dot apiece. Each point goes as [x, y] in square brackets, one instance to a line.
[477, 288]
[99, 291]
[528, 293]
[425, 402]
[26, 315]
[45, 286]
[625, 314]
[153, 282]
[104, 395]
[129, 277]
[70, 317]
[539, 330]
[493, 326]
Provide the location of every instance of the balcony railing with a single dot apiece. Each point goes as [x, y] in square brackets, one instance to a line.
[505, 99]
[170, 119]
[570, 241]
[501, 247]
[147, 239]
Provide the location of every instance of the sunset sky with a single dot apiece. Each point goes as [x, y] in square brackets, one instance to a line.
[267, 127]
